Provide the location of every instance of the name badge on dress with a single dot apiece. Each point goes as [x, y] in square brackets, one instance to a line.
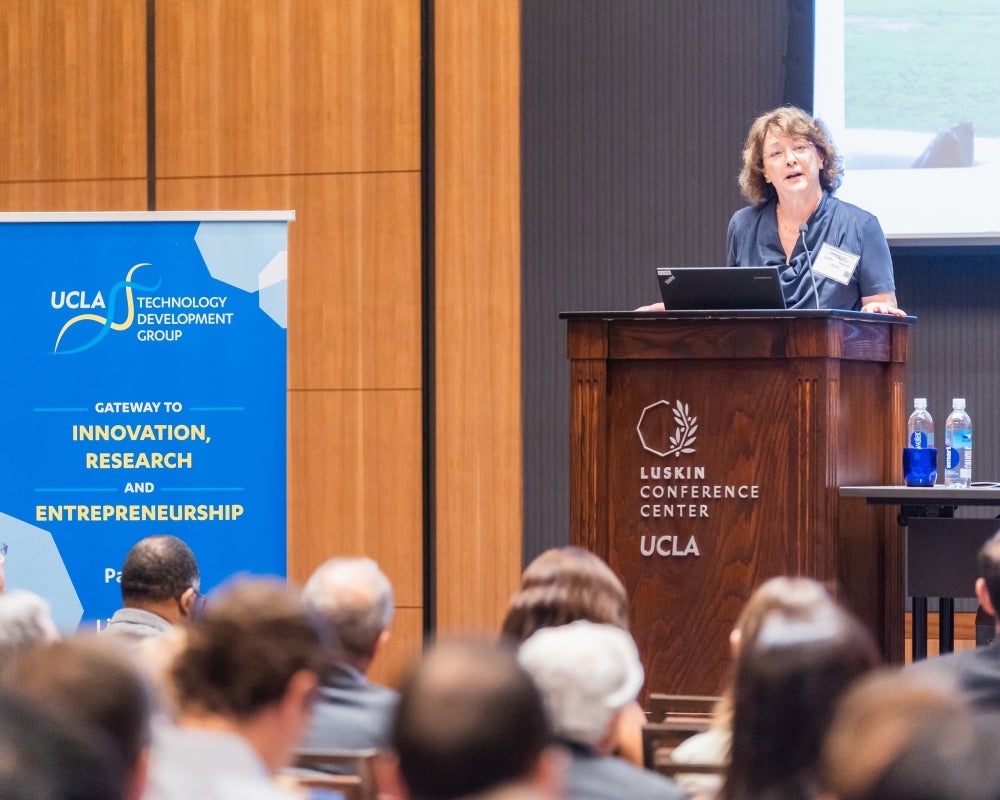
[832, 262]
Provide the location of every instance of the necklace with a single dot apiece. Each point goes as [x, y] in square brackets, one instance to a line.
[783, 225]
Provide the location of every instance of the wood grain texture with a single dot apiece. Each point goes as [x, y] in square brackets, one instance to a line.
[769, 440]
[354, 261]
[477, 310]
[111, 195]
[287, 86]
[354, 487]
[74, 90]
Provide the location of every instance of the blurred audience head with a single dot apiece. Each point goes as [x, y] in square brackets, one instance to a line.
[787, 681]
[885, 719]
[92, 682]
[355, 600]
[25, 620]
[50, 756]
[790, 595]
[470, 720]
[587, 673]
[252, 661]
[562, 585]
[988, 583]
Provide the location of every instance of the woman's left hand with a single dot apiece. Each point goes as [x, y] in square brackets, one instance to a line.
[883, 308]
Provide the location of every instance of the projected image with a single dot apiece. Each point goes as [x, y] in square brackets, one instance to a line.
[911, 92]
[920, 83]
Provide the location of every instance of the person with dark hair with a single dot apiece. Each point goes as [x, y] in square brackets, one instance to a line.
[354, 598]
[562, 585]
[245, 683]
[160, 588]
[793, 596]
[977, 669]
[588, 673]
[470, 721]
[787, 682]
[49, 756]
[790, 171]
[92, 682]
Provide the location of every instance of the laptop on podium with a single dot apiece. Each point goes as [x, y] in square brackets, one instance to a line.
[720, 288]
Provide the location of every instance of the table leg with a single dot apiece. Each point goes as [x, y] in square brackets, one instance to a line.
[919, 617]
[946, 623]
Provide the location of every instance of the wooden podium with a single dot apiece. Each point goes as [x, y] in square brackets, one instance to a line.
[706, 452]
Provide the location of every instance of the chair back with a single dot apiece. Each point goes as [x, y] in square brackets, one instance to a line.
[349, 772]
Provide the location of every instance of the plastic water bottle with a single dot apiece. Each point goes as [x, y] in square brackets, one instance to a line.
[920, 454]
[958, 446]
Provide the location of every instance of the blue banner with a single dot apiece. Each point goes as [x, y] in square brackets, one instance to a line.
[145, 388]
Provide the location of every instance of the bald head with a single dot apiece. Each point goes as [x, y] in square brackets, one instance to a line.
[355, 600]
[158, 568]
[469, 719]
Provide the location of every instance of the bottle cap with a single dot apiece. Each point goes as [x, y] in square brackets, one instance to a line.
[920, 402]
[958, 402]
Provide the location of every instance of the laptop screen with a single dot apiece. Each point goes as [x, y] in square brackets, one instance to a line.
[720, 288]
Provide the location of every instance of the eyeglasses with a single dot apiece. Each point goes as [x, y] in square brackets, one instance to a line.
[3, 552]
[798, 149]
[200, 601]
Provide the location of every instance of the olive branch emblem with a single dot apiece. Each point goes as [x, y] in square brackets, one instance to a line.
[683, 438]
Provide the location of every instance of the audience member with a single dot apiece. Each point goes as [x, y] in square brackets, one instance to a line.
[354, 599]
[787, 682]
[791, 595]
[25, 620]
[562, 585]
[160, 584]
[565, 584]
[44, 756]
[977, 670]
[245, 682]
[587, 673]
[883, 717]
[957, 760]
[93, 683]
[470, 722]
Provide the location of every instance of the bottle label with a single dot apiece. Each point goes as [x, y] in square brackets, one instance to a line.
[921, 439]
[962, 438]
[952, 458]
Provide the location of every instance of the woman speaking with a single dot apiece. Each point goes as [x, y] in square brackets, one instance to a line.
[830, 254]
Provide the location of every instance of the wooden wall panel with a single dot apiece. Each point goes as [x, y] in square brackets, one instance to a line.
[356, 300]
[351, 487]
[477, 283]
[266, 87]
[358, 303]
[354, 454]
[74, 90]
[112, 195]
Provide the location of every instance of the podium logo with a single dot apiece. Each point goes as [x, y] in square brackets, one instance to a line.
[655, 424]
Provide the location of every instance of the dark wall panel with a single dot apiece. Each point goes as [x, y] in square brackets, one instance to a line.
[955, 343]
[633, 119]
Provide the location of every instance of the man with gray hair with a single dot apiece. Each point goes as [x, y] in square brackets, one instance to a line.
[354, 599]
[25, 621]
[587, 674]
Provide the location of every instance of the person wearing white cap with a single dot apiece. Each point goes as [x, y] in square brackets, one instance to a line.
[587, 673]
